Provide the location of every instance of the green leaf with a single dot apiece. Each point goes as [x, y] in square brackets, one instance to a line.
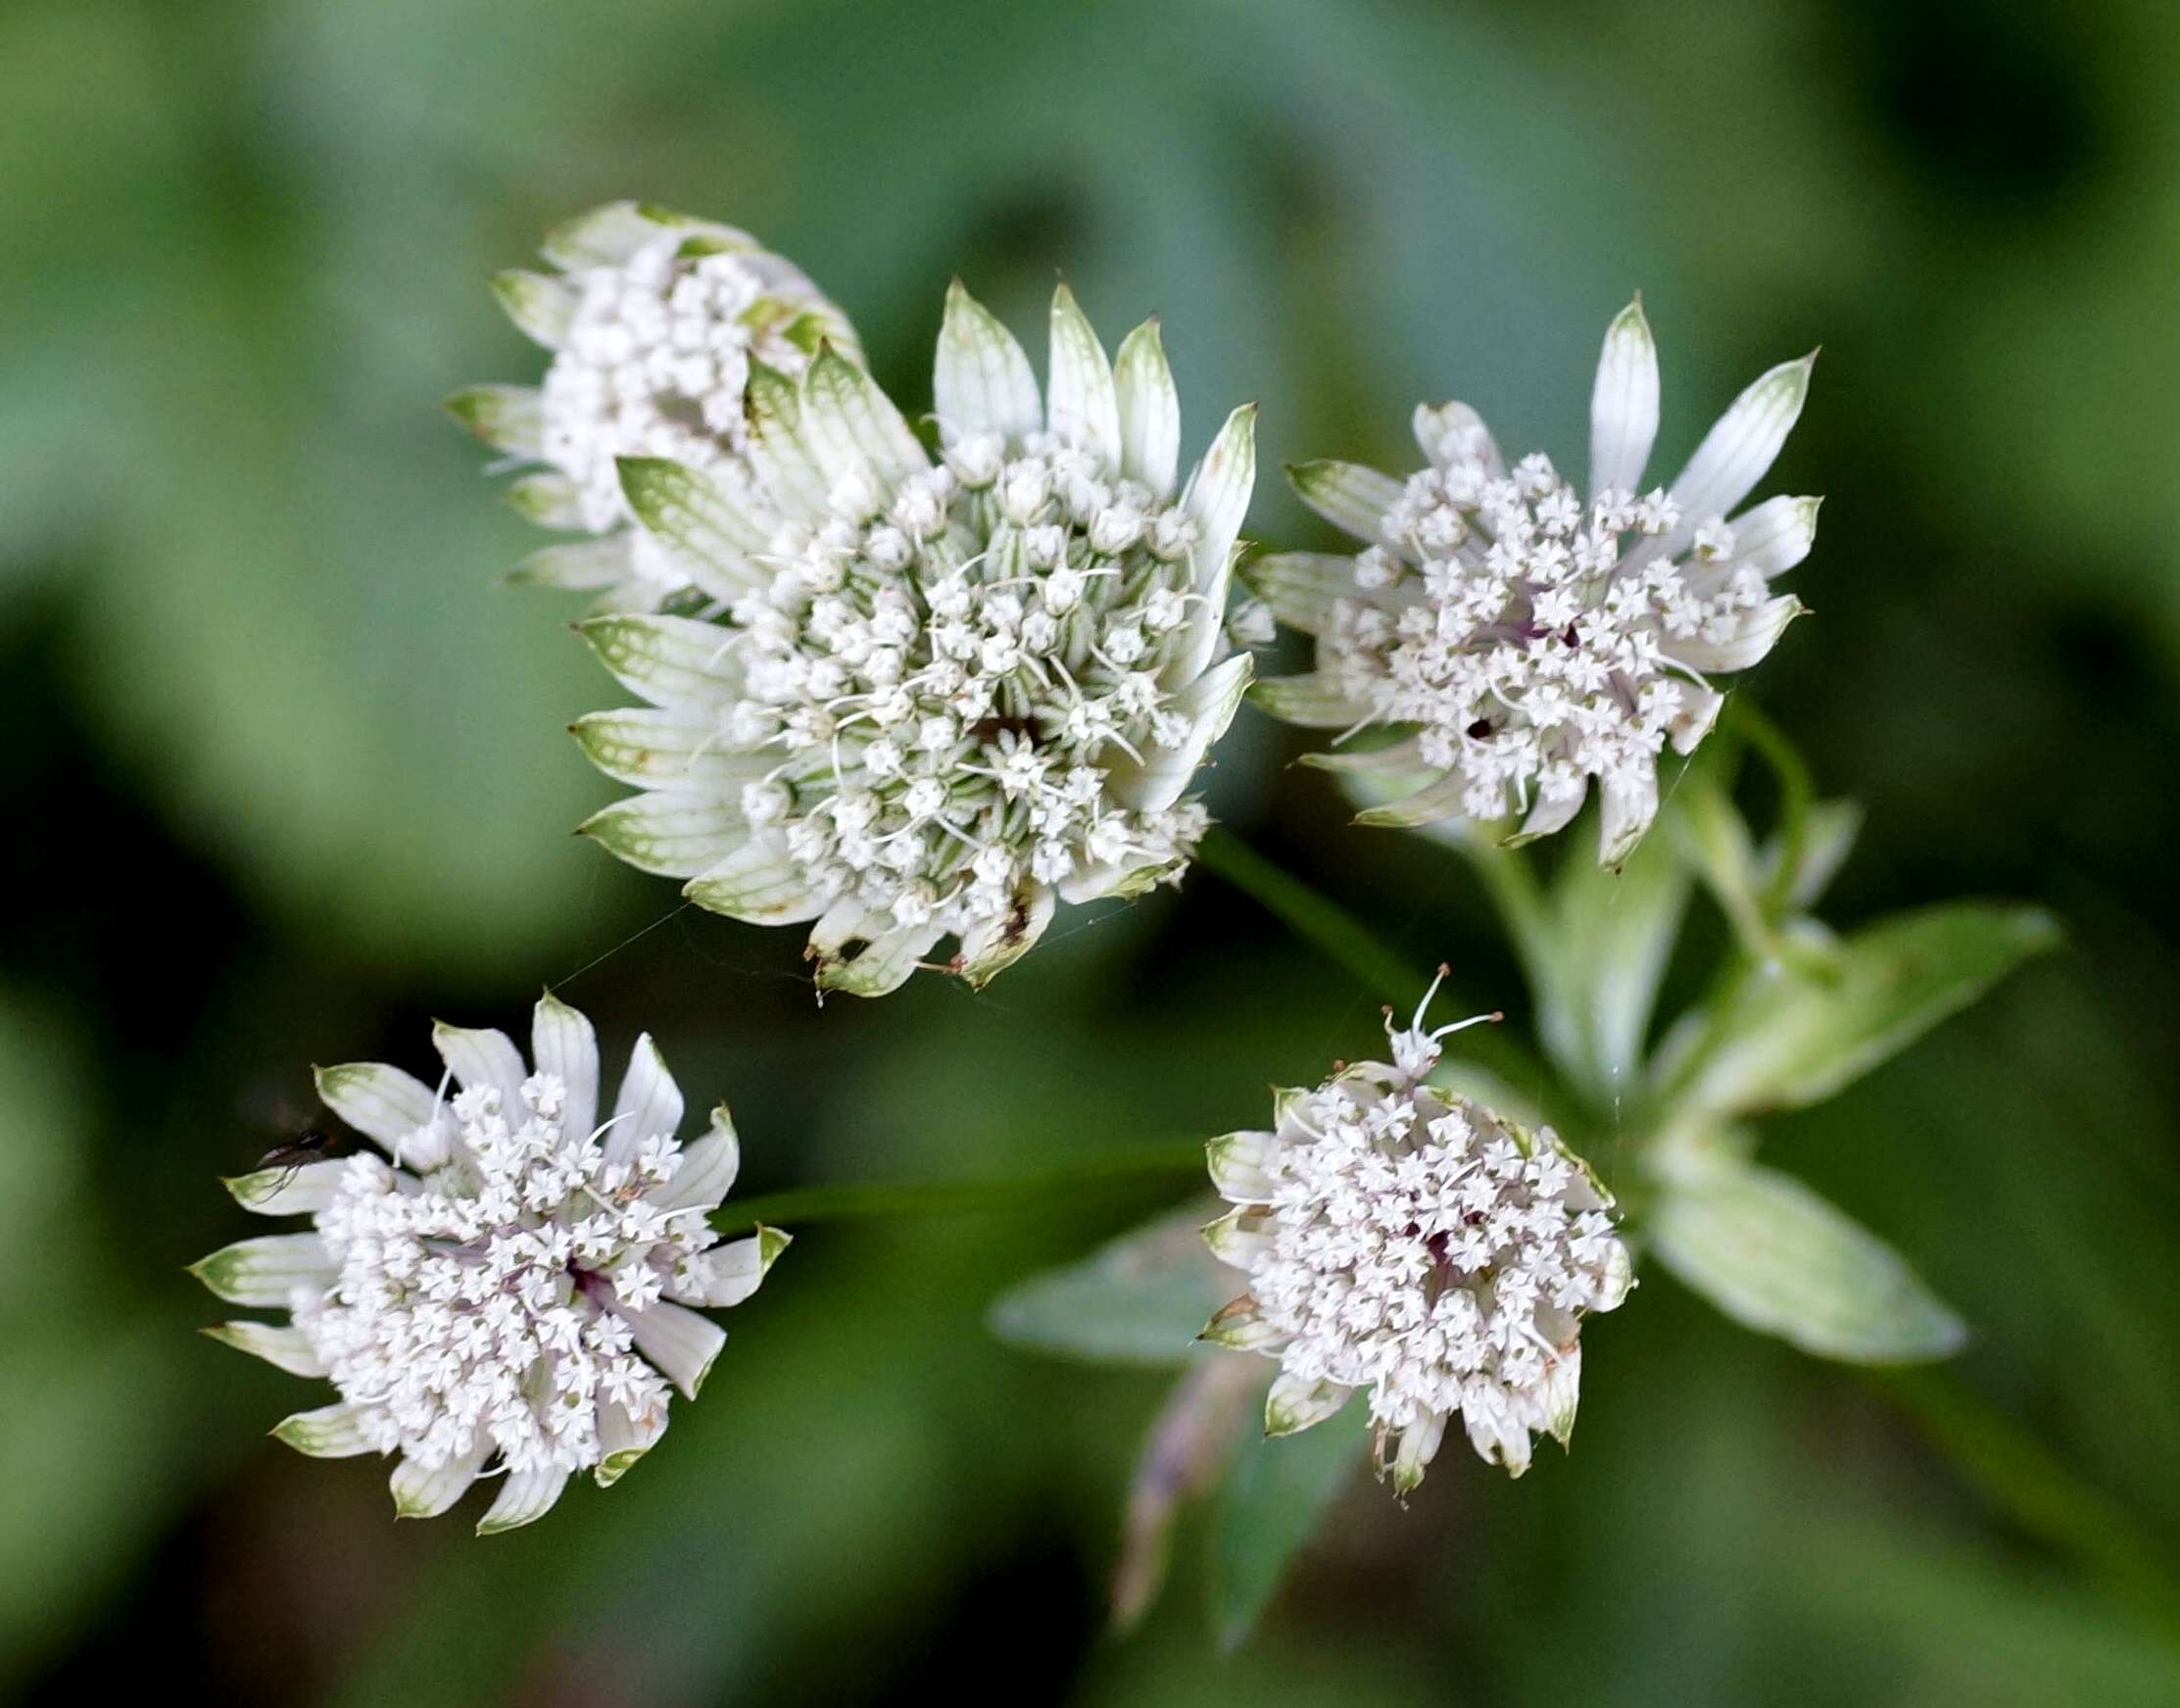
[1593, 948]
[1597, 975]
[1267, 1508]
[1141, 1298]
[1828, 836]
[1778, 1259]
[1716, 838]
[1786, 1037]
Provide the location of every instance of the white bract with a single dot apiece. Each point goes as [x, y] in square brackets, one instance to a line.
[1403, 1240]
[1525, 639]
[652, 326]
[504, 1285]
[933, 698]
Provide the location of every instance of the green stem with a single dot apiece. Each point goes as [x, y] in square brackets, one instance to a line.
[1382, 971]
[2037, 1491]
[1318, 920]
[1797, 793]
[1520, 902]
[859, 1200]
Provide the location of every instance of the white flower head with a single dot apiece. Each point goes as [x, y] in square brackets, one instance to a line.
[653, 324]
[504, 1283]
[1524, 639]
[1409, 1241]
[933, 698]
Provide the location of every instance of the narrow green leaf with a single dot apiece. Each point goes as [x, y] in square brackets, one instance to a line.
[1785, 1036]
[2041, 1492]
[1778, 1259]
[1269, 1506]
[1715, 838]
[1141, 1298]
[1596, 965]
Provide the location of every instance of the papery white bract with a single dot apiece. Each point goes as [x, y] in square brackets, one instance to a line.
[653, 324]
[1403, 1240]
[1524, 641]
[932, 700]
[504, 1285]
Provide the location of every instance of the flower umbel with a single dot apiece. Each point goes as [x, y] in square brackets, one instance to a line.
[653, 324]
[1401, 1238]
[932, 700]
[503, 1285]
[1525, 641]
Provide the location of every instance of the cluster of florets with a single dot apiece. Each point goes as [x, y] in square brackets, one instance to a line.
[486, 1307]
[1529, 652]
[951, 680]
[1525, 641]
[654, 324]
[501, 1287]
[655, 362]
[933, 697]
[1412, 1243]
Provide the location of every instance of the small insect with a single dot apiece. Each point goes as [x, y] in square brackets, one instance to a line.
[313, 1144]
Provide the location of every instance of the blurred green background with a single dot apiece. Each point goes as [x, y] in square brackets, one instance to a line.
[287, 778]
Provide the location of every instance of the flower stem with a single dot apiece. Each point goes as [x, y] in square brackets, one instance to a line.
[1317, 920]
[2037, 1491]
[860, 1199]
[1797, 792]
[1385, 974]
[1513, 887]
